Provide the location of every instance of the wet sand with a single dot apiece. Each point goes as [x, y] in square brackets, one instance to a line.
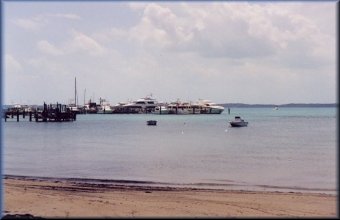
[67, 198]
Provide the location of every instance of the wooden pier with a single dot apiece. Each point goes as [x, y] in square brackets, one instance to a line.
[49, 113]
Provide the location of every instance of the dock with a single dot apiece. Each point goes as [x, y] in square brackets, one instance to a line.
[49, 113]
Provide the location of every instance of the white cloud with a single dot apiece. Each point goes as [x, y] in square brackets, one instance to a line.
[29, 24]
[12, 65]
[110, 35]
[39, 21]
[48, 48]
[161, 27]
[210, 31]
[228, 30]
[79, 43]
[42, 66]
[234, 31]
[137, 5]
[83, 43]
[66, 16]
[202, 49]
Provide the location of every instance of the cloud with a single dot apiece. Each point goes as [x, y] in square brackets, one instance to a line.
[146, 32]
[79, 43]
[137, 5]
[110, 35]
[229, 30]
[211, 31]
[234, 31]
[197, 48]
[82, 42]
[66, 16]
[43, 66]
[161, 27]
[29, 24]
[39, 21]
[12, 65]
[48, 48]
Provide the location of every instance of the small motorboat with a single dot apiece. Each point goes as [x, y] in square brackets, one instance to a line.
[151, 122]
[238, 122]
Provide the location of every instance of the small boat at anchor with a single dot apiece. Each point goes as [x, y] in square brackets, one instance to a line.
[238, 122]
[151, 122]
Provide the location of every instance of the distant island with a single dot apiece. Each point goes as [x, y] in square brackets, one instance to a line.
[242, 105]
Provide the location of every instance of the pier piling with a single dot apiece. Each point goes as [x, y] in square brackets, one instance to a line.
[49, 113]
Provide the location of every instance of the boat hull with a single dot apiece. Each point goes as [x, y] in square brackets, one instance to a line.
[105, 111]
[151, 122]
[239, 124]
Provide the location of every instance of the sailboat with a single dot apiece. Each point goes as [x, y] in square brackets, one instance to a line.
[74, 107]
[104, 107]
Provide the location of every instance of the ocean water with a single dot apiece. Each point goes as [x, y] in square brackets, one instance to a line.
[290, 149]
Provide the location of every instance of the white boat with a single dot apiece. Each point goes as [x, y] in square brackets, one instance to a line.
[183, 108]
[28, 108]
[209, 107]
[73, 108]
[119, 107]
[238, 122]
[142, 105]
[104, 107]
[161, 109]
[21, 108]
[276, 108]
[120, 104]
[90, 108]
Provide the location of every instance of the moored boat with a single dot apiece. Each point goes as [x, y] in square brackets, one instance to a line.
[183, 108]
[73, 108]
[151, 122]
[104, 107]
[238, 122]
[142, 105]
[91, 108]
[209, 107]
[161, 110]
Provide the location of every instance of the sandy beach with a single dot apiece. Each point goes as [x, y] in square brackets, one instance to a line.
[66, 198]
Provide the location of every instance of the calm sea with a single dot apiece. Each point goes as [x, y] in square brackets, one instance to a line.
[290, 149]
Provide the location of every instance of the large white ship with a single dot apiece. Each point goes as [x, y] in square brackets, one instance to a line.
[209, 107]
[142, 105]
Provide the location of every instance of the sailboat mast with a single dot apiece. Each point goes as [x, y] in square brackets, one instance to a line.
[84, 95]
[75, 91]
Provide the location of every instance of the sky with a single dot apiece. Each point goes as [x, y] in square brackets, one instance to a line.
[228, 52]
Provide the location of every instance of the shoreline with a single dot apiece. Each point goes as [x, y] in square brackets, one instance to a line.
[66, 197]
[227, 185]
